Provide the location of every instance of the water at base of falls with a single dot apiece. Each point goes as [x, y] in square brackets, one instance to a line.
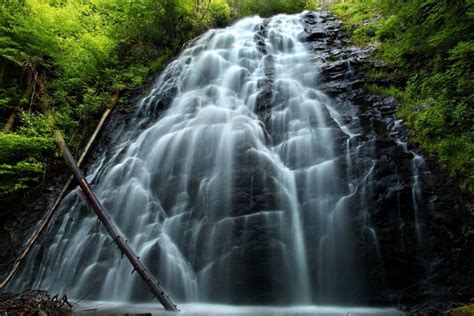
[237, 181]
[97, 308]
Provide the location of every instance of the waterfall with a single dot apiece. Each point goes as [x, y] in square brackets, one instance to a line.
[238, 180]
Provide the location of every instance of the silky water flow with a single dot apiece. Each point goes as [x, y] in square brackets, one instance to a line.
[236, 181]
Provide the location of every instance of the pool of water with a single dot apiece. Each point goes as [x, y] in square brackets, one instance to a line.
[118, 308]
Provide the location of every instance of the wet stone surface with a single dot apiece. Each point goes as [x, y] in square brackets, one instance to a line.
[414, 270]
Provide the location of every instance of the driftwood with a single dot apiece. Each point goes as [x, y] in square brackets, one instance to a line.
[49, 214]
[34, 303]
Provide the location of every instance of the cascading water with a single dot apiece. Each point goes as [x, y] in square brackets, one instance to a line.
[237, 181]
[417, 164]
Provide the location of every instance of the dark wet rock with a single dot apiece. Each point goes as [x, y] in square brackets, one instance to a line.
[260, 36]
[413, 270]
[250, 285]
[19, 217]
[315, 36]
[265, 96]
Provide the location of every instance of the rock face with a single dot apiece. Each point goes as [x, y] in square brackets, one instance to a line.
[436, 264]
[258, 170]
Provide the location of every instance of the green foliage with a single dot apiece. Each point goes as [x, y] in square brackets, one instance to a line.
[23, 160]
[382, 90]
[220, 12]
[18, 176]
[8, 95]
[34, 125]
[429, 45]
[361, 19]
[463, 310]
[15, 147]
[269, 7]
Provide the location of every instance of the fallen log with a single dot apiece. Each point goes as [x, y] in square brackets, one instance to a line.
[50, 212]
[113, 230]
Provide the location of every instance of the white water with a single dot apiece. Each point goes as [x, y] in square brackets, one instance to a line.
[416, 193]
[98, 308]
[250, 186]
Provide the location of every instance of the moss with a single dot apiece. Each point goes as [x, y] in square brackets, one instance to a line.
[466, 310]
[382, 90]
[361, 20]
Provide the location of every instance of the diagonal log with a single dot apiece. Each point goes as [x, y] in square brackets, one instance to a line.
[117, 237]
[113, 230]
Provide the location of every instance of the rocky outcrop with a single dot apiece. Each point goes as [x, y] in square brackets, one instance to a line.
[437, 264]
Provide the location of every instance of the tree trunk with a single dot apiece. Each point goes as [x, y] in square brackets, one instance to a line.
[11, 119]
[9, 124]
[113, 230]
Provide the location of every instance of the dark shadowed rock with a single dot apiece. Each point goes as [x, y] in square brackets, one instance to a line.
[412, 270]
